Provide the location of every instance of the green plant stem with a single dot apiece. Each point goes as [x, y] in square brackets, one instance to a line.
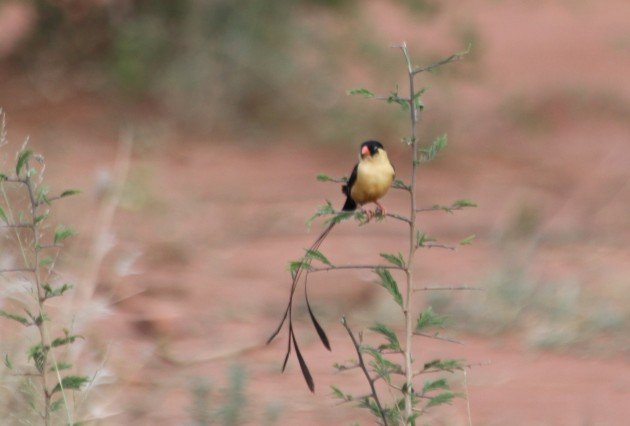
[369, 378]
[41, 299]
[408, 307]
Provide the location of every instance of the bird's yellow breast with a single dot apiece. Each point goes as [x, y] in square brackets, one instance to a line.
[374, 177]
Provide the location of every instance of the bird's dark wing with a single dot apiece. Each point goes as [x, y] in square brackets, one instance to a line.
[350, 204]
[353, 178]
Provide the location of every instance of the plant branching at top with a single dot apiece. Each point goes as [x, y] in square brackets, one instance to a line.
[38, 253]
[379, 364]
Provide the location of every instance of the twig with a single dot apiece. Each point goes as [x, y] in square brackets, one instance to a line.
[398, 217]
[438, 245]
[438, 337]
[447, 209]
[354, 398]
[454, 57]
[467, 398]
[365, 371]
[392, 215]
[464, 287]
[50, 246]
[335, 267]
[407, 309]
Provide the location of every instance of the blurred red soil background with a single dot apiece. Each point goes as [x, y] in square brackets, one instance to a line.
[190, 275]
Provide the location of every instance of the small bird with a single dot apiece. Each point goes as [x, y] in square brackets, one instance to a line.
[369, 181]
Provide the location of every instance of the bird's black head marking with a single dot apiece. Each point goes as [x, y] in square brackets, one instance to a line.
[372, 146]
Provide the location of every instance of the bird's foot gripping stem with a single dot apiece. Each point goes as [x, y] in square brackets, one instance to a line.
[369, 214]
[380, 210]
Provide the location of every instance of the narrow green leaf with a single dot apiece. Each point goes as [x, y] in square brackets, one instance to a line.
[449, 365]
[340, 217]
[71, 382]
[393, 98]
[342, 367]
[42, 194]
[432, 150]
[363, 92]
[400, 184]
[316, 254]
[464, 203]
[417, 102]
[338, 393]
[63, 232]
[394, 259]
[36, 353]
[69, 192]
[389, 334]
[55, 291]
[22, 320]
[45, 261]
[428, 318]
[324, 210]
[8, 362]
[61, 366]
[442, 398]
[369, 403]
[55, 406]
[39, 319]
[65, 340]
[299, 264]
[423, 238]
[468, 240]
[388, 282]
[23, 156]
[380, 364]
[430, 385]
[41, 217]
[3, 177]
[3, 216]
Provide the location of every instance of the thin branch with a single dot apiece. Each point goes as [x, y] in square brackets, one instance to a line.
[436, 370]
[447, 209]
[341, 368]
[392, 215]
[438, 337]
[51, 246]
[437, 245]
[365, 371]
[454, 57]
[464, 287]
[467, 398]
[354, 398]
[398, 217]
[335, 267]
[407, 309]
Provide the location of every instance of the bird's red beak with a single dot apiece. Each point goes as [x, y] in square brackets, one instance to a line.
[365, 151]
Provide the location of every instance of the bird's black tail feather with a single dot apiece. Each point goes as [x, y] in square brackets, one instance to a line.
[349, 205]
[288, 311]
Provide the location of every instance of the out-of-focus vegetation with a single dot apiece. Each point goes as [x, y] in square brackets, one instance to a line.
[223, 65]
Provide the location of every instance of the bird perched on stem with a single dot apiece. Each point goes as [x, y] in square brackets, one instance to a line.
[369, 181]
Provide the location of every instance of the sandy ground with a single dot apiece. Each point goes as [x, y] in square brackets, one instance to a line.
[196, 278]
